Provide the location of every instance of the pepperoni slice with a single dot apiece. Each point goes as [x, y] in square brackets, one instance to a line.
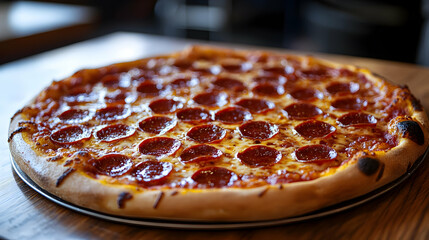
[200, 153]
[70, 135]
[315, 73]
[233, 115]
[349, 103]
[306, 94]
[315, 129]
[182, 64]
[275, 70]
[357, 119]
[226, 83]
[270, 90]
[149, 89]
[259, 156]
[211, 99]
[214, 177]
[206, 133]
[76, 90]
[346, 72]
[342, 88]
[302, 111]
[114, 132]
[193, 115]
[75, 116]
[203, 71]
[184, 82]
[236, 67]
[260, 130]
[165, 105]
[112, 113]
[315, 154]
[255, 105]
[159, 146]
[111, 80]
[157, 124]
[275, 80]
[111, 165]
[151, 172]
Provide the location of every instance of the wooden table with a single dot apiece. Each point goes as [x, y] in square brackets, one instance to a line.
[402, 213]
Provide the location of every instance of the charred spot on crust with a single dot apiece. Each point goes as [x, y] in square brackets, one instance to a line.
[63, 176]
[23, 126]
[409, 167]
[18, 130]
[379, 76]
[158, 200]
[123, 196]
[417, 106]
[263, 192]
[17, 113]
[411, 130]
[368, 166]
[380, 173]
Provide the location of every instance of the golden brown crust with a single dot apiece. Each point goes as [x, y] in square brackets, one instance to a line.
[225, 204]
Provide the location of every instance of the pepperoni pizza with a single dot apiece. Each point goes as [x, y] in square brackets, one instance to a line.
[217, 134]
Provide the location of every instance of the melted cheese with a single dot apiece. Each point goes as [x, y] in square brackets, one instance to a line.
[286, 141]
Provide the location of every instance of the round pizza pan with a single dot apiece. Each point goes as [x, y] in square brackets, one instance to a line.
[219, 225]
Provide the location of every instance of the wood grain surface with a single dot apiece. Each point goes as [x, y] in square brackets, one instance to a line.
[402, 213]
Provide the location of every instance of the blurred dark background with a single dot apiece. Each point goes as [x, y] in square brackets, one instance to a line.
[386, 29]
